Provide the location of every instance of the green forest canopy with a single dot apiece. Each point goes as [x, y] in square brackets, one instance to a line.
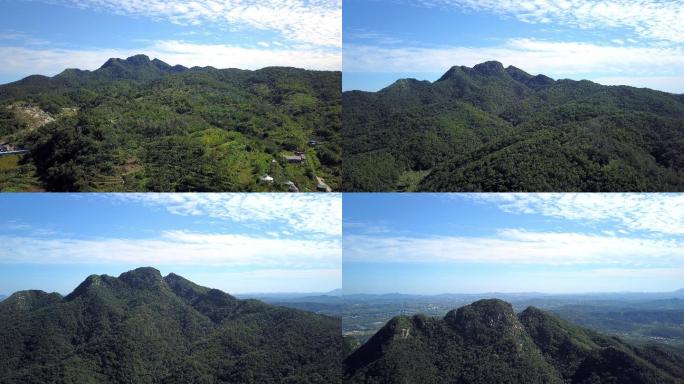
[143, 125]
[491, 128]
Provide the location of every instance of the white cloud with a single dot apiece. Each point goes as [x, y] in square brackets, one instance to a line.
[22, 61]
[513, 246]
[317, 22]
[638, 273]
[270, 280]
[637, 66]
[175, 248]
[661, 213]
[312, 213]
[652, 19]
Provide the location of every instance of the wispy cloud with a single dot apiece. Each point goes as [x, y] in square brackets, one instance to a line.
[372, 36]
[317, 22]
[15, 36]
[312, 213]
[515, 246]
[175, 248]
[634, 65]
[659, 213]
[652, 19]
[639, 273]
[18, 60]
[271, 280]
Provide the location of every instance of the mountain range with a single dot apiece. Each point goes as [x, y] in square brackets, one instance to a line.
[490, 128]
[145, 328]
[137, 124]
[487, 342]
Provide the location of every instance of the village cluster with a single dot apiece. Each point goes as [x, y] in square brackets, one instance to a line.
[298, 158]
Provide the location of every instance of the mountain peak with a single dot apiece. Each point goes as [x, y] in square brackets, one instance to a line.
[490, 68]
[30, 300]
[184, 288]
[493, 315]
[405, 85]
[452, 72]
[145, 277]
[111, 63]
[138, 59]
[518, 74]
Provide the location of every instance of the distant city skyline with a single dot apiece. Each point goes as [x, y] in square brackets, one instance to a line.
[616, 42]
[239, 243]
[512, 243]
[47, 36]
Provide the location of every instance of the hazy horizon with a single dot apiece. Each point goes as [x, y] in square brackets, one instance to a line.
[232, 242]
[513, 242]
[516, 293]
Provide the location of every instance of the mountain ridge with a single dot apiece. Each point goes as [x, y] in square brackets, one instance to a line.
[495, 129]
[487, 342]
[496, 67]
[119, 67]
[142, 327]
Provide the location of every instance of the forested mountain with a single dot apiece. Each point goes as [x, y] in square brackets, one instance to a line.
[490, 128]
[486, 342]
[145, 328]
[143, 125]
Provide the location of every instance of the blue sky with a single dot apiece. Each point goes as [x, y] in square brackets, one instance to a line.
[475, 243]
[239, 243]
[611, 42]
[47, 36]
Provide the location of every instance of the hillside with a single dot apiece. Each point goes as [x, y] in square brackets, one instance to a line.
[490, 128]
[145, 328]
[486, 342]
[143, 125]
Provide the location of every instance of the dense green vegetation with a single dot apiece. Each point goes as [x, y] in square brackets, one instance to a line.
[486, 342]
[142, 125]
[637, 325]
[493, 129]
[16, 175]
[145, 328]
[638, 318]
